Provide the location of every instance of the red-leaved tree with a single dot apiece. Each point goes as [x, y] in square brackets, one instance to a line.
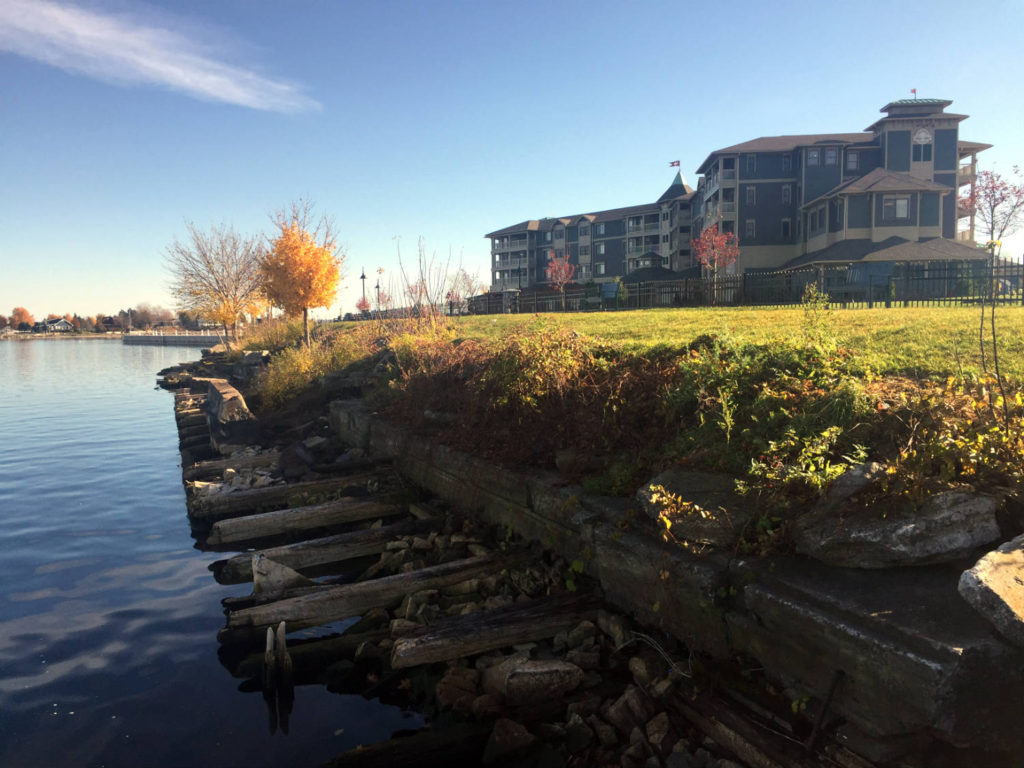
[997, 203]
[715, 250]
[560, 273]
[363, 305]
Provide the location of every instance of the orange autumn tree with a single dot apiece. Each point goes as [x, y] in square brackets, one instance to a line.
[21, 319]
[303, 268]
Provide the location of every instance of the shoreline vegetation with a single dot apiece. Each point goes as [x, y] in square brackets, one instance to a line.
[785, 401]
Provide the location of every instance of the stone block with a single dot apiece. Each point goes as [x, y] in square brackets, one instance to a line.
[994, 587]
[947, 527]
[714, 513]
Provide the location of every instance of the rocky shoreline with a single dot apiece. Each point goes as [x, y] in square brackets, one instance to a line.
[736, 661]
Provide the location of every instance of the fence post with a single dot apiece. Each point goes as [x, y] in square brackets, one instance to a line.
[871, 293]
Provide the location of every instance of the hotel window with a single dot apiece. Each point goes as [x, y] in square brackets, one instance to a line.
[895, 208]
[787, 163]
[559, 234]
[787, 194]
[751, 195]
[599, 268]
[922, 153]
[584, 231]
[787, 229]
[600, 249]
[852, 161]
[599, 229]
[831, 156]
[664, 215]
[751, 165]
[584, 250]
[750, 229]
[813, 157]
[547, 237]
[664, 238]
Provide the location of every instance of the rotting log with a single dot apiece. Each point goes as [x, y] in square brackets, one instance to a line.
[485, 631]
[322, 551]
[192, 417]
[196, 430]
[208, 469]
[327, 604]
[461, 744]
[222, 506]
[309, 657]
[281, 521]
[196, 441]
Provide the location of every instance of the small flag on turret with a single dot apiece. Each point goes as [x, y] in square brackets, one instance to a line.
[914, 91]
[674, 164]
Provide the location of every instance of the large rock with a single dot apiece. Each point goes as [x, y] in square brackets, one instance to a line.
[947, 527]
[522, 681]
[710, 512]
[231, 422]
[995, 588]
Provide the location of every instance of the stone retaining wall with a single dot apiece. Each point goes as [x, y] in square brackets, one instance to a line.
[918, 665]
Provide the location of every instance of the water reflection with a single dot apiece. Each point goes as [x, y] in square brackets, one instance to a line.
[108, 615]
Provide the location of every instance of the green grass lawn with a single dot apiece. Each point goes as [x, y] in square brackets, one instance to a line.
[924, 341]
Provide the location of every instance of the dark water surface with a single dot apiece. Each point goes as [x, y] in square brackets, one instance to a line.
[108, 615]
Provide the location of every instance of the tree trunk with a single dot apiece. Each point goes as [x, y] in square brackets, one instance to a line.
[305, 325]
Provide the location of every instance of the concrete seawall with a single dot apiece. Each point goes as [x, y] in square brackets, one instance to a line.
[172, 340]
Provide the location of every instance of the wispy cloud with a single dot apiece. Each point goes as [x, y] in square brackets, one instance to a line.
[127, 49]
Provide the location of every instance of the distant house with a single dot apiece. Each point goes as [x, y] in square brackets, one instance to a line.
[57, 325]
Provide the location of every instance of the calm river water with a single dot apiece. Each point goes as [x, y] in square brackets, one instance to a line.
[108, 615]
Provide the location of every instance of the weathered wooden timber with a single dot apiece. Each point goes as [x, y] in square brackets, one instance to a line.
[207, 469]
[477, 633]
[322, 551]
[329, 604]
[309, 657]
[222, 506]
[296, 519]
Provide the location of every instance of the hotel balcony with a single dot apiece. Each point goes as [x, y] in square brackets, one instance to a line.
[516, 263]
[966, 174]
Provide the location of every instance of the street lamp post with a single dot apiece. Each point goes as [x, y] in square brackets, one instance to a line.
[363, 278]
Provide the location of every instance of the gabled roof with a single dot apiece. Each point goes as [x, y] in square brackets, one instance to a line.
[892, 249]
[789, 143]
[621, 213]
[881, 180]
[530, 225]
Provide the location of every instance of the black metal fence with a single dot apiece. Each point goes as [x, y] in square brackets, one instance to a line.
[856, 285]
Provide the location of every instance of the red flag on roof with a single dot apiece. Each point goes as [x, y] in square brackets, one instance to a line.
[674, 164]
[914, 91]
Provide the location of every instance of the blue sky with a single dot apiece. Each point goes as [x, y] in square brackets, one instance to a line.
[121, 120]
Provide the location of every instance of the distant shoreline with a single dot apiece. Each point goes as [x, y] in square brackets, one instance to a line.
[59, 336]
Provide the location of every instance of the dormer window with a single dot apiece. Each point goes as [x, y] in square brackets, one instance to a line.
[832, 156]
[852, 161]
[813, 157]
